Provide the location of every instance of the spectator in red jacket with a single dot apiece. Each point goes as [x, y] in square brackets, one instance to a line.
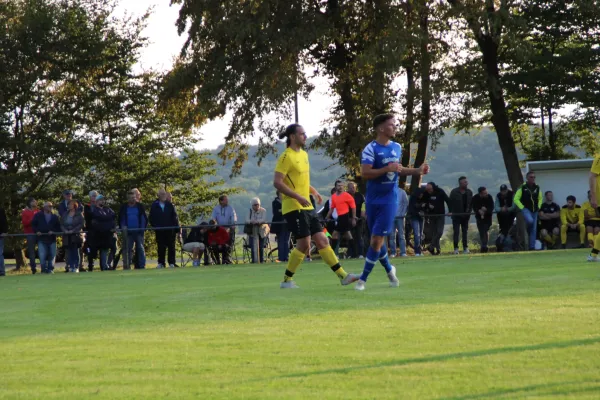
[218, 243]
[26, 218]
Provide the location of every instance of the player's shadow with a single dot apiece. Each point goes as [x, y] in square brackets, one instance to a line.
[547, 389]
[447, 357]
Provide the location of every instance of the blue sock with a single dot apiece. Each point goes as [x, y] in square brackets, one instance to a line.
[370, 260]
[383, 259]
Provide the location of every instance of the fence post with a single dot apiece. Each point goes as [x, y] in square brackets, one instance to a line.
[125, 249]
[256, 243]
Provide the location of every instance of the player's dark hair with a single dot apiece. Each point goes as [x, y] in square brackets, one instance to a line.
[380, 119]
[29, 201]
[572, 198]
[529, 173]
[338, 181]
[290, 130]
[549, 191]
[222, 197]
[481, 189]
[461, 178]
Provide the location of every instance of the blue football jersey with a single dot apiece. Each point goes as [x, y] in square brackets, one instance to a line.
[384, 189]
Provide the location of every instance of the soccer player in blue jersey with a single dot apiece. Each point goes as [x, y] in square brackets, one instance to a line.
[381, 167]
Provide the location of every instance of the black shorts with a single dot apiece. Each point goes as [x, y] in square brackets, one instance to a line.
[592, 224]
[344, 223]
[303, 223]
[549, 225]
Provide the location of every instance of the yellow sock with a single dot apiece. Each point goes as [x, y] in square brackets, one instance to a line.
[590, 236]
[548, 239]
[331, 259]
[295, 259]
[596, 248]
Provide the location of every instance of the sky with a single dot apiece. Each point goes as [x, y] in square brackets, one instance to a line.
[164, 46]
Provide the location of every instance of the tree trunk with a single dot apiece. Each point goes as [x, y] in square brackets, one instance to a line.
[410, 98]
[551, 136]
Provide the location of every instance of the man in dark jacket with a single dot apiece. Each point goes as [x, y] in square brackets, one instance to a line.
[357, 231]
[505, 209]
[196, 242]
[435, 198]
[132, 215]
[280, 230]
[483, 207]
[529, 200]
[3, 232]
[103, 228]
[89, 246]
[416, 214]
[461, 207]
[163, 214]
[46, 224]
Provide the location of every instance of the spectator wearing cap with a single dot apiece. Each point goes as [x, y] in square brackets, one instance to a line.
[505, 210]
[592, 220]
[164, 215]
[89, 245]
[529, 199]
[26, 219]
[3, 232]
[72, 224]
[461, 206]
[196, 243]
[218, 242]
[483, 207]
[46, 225]
[572, 220]
[132, 215]
[258, 217]
[103, 227]
[435, 199]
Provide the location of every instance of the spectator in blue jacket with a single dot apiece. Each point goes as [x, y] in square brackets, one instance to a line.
[132, 215]
[163, 214]
[103, 228]
[46, 224]
[398, 233]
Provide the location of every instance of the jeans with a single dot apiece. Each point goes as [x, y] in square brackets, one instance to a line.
[437, 230]
[283, 245]
[483, 226]
[399, 224]
[165, 241]
[2, 270]
[103, 259]
[136, 239]
[31, 241]
[531, 219]
[417, 227]
[461, 224]
[73, 257]
[47, 255]
[261, 248]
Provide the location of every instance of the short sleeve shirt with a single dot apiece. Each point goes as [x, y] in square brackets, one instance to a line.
[296, 171]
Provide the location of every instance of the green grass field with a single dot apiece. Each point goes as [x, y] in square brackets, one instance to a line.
[479, 327]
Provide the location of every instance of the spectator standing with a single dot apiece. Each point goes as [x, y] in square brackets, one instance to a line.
[218, 241]
[331, 221]
[461, 207]
[358, 230]
[549, 216]
[132, 215]
[72, 224]
[342, 203]
[225, 216]
[196, 243]
[483, 207]
[163, 214]
[103, 228]
[62, 208]
[89, 246]
[258, 217]
[280, 229]
[572, 220]
[529, 200]
[398, 231]
[3, 232]
[592, 220]
[436, 200]
[505, 210]
[26, 219]
[46, 224]
[416, 213]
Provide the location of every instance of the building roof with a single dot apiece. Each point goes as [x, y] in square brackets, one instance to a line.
[550, 165]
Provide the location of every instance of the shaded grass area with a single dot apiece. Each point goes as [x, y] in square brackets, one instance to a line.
[479, 327]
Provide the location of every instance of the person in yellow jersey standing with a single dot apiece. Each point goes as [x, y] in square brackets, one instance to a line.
[292, 179]
[594, 182]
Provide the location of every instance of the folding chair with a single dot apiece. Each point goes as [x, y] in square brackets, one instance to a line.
[186, 257]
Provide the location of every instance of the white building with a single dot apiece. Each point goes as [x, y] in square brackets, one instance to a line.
[563, 178]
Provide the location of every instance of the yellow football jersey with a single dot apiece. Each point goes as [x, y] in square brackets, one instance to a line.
[296, 169]
[596, 170]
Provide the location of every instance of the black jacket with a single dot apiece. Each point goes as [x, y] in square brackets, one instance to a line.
[416, 203]
[276, 226]
[457, 203]
[142, 217]
[488, 203]
[39, 224]
[196, 235]
[162, 218]
[437, 199]
[3, 221]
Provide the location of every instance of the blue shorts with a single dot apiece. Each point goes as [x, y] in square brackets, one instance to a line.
[381, 218]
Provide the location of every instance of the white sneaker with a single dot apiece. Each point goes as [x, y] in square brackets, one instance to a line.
[360, 285]
[159, 266]
[403, 255]
[466, 251]
[289, 285]
[361, 258]
[171, 265]
[394, 282]
[456, 251]
[350, 278]
[76, 270]
[593, 259]
[419, 255]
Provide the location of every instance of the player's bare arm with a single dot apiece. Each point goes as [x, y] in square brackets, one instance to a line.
[285, 189]
[592, 180]
[317, 195]
[422, 170]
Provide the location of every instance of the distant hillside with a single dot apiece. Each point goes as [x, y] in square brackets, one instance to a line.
[476, 156]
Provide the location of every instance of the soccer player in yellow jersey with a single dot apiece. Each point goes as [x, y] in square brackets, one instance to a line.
[592, 220]
[594, 196]
[572, 219]
[292, 179]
